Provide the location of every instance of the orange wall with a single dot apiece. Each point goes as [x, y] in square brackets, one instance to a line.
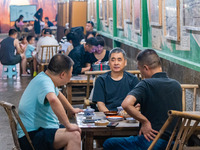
[49, 10]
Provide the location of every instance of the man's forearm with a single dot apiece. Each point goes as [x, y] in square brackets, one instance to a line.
[102, 107]
[58, 109]
[65, 102]
[85, 69]
[133, 112]
[128, 106]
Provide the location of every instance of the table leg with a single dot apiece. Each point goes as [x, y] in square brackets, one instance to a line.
[89, 141]
[88, 87]
[69, 94]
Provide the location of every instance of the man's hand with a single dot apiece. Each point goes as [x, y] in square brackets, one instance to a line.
[76, 110]
[73, 127]
[147, 131]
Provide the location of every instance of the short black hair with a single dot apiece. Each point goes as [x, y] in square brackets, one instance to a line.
[91, 22]
[65, 30]
[75, 39]
[20, 17]
[47, 31]
[70, 36]
[47, 18]
[12, 32]
[29, 37]
[22, 38]
[90, 32]
[100, 40]
[60, 63]
[118, 50]
[150, 58]
[92, 41]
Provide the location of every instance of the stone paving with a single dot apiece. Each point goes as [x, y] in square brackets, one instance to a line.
[10, 91]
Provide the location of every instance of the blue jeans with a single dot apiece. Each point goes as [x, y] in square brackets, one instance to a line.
[132, 143]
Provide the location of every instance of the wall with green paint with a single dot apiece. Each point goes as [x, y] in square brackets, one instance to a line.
[167, 50]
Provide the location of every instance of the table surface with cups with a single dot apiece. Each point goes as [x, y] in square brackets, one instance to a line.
[90, 131]
[101, 116]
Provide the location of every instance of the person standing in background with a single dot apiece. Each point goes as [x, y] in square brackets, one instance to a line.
[38, 17]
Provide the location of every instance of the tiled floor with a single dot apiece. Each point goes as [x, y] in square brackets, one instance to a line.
[10, 91]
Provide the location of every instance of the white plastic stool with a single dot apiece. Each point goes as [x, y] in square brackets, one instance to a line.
[9, 71]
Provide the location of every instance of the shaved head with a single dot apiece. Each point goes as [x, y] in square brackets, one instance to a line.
[150, 58]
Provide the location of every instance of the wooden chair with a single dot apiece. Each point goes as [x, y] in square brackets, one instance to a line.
[189, 86]
[13, 118]
[96, 74]
[185, 127]
[48, 51]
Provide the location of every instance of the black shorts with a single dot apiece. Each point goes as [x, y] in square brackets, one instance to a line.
[42, 139]
[16, 59]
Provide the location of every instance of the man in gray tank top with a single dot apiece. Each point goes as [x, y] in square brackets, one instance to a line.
[7, 51]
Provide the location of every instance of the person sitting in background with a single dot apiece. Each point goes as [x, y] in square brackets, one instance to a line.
[64, 38]
[68, 45]
[29, 53]
[7, 51]
[80, 55]
[19, 23]
[112, 87]
[23, 43]
[30, 48]
[40, 39]
[99, 54]
[47, 40]
[90, 34]
[28, 27]
[89, 26]
[47, 22]
[42, 108]
[156, 94]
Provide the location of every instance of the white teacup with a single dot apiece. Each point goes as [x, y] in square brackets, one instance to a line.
[89, 112]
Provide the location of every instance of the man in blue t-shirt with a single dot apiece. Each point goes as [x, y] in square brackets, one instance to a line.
[156, 94]
[112, 87]
[42, 109]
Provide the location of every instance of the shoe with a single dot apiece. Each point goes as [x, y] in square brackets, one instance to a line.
[25, 75]
[28, 71]
[34, 73]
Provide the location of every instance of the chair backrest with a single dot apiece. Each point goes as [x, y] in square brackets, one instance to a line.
[194, 88]
[13, 118]
[185, 127]
[48, 51]
[97, 73]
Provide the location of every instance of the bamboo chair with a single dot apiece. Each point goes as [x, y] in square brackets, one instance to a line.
[13, 118]
[96, 74]
[194, 88]
[185, 127]
[48, 51]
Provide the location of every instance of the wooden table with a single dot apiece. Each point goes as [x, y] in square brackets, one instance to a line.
[91, 132]
[80, 80]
